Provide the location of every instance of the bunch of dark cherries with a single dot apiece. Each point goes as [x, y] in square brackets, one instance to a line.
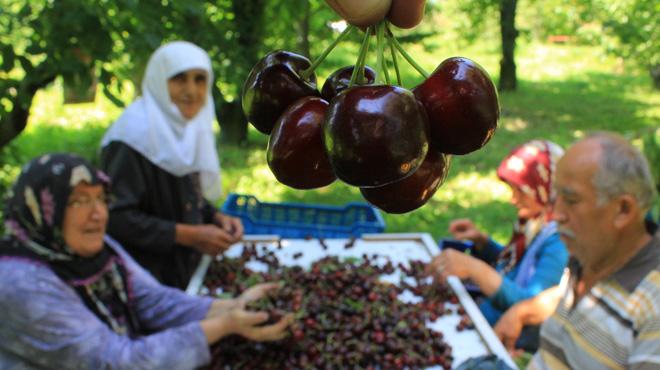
[393, 143]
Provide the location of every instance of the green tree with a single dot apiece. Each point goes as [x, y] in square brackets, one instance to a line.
[635, 25]
[629, 29]
[41, 41]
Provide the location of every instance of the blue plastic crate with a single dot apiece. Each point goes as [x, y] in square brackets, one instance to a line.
[298, 220]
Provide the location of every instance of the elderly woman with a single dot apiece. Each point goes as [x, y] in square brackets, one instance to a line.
[534, 258]
[71, 298]
[162, 158]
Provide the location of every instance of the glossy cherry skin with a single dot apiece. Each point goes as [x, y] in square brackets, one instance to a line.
[339, 80]
[406, 13]
[296, 154]
[415, 190]
[461, 102]
[375, 135]
[272, 85]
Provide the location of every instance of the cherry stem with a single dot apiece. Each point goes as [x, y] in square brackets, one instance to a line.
[308, 72]
[380, 36]
[395, 61]
[362, 56]
[408, 58]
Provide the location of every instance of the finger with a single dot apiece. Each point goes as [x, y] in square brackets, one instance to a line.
[253, 318]
[437, 275]
[498, 333]
[458, 225]
[428, 269]
[238, 228]
[510, 344]
[444, 274]
[431, 266]
[276, 331]
[271, 287]
[228, 224]
[222, 240]
[260, 290]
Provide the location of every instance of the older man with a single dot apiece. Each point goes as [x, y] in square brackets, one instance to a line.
[608, 311]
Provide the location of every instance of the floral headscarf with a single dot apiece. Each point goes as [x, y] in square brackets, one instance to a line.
[531, 168]
[34, 215]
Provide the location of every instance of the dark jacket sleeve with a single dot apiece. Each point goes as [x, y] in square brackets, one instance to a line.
[128, 223]
[208, 212]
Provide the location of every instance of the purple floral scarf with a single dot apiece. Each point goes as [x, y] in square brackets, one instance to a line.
[34, 215]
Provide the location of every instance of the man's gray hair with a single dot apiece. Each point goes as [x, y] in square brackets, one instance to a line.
[623, 169]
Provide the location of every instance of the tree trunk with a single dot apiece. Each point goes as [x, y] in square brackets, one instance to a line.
[15, 122]
[249, 24]
[303, 30]
[508, 80]
[654, 71]
[234, 127]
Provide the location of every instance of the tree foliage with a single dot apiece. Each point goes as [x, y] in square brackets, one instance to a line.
[635, 25]
[41, 41]
[626, 28]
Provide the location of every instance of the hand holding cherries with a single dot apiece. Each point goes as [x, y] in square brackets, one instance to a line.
[394, 144]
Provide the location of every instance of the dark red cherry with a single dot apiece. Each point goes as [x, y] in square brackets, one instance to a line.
[273, 84]
[375, 135]
[296, 154]
[461, 102]
[413, 191]
[338, 81]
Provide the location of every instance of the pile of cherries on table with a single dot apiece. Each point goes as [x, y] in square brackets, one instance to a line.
[345, 317]
[370, 132]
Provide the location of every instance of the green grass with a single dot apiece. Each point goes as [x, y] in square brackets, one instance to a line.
[564, 92]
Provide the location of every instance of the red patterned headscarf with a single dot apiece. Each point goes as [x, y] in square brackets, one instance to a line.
[531, 168]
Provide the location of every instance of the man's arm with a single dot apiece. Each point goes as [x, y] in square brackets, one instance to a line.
[532, 311]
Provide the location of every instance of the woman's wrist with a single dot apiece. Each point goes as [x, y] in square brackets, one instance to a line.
[220, 306]
[216, 328]
[184, 234]
[485, 276]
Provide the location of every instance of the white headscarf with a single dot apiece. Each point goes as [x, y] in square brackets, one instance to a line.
[154, 126]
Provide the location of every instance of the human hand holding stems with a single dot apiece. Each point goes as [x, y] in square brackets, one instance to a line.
[364, 13]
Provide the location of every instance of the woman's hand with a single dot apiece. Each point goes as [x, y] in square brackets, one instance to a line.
[220, 306]
[464, 229]
[451, 262]
[231, 225]
[256, 292]
[229, 316]
[245, 323]
[208, 239]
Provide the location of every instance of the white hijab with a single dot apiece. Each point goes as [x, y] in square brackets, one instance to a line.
[154, 126]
